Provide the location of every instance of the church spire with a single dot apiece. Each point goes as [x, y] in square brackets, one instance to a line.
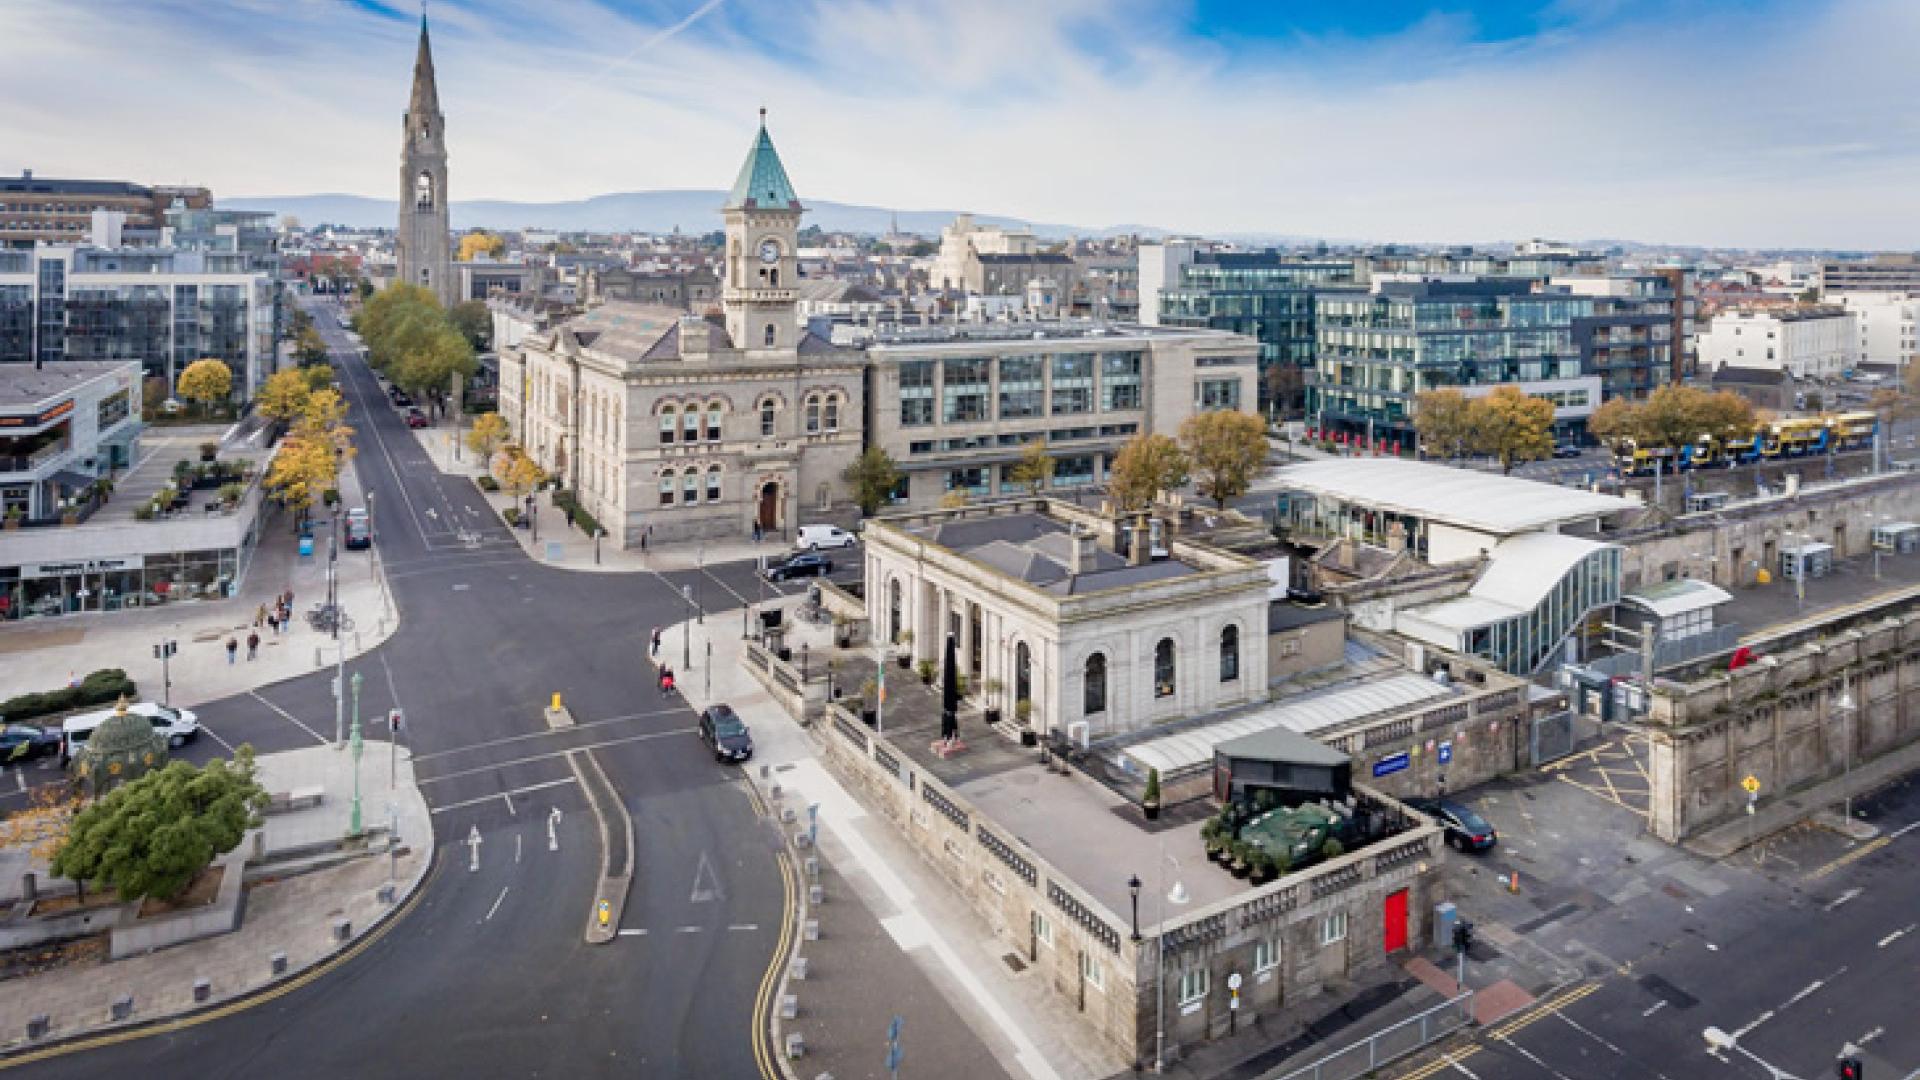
[762, 183]
[425, 103]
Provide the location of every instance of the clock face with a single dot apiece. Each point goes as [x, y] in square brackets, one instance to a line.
[769, 252]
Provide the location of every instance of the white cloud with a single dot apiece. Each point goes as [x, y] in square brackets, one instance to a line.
[1791, 128]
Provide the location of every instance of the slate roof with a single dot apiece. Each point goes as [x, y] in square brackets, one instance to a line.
[1037, 549]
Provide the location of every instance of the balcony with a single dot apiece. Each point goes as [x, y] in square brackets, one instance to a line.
[30, 462]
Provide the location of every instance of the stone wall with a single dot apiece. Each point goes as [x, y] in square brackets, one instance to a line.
[1777, 721]
[802, 698]
[1484, 735]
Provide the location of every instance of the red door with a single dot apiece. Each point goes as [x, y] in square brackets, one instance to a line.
[1396, 916]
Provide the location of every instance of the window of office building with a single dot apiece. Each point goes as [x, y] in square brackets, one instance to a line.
[713, 484]
[1021, 388]
[972, 481]
[1194, 985]
[766, 418]
[690, 487]
[1072, 384]
[916, 393]
[1072, 471]
[669, 424]
[1119, 382]
[1229, 654]
[713, 422]
[1217, 394]
[965, 390]
[690, 424]
[666, 488]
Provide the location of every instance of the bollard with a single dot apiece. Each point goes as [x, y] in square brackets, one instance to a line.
[38, 1026]
[811, 930]
[556, 701]
[797, 969]
[802, 840]
[342, 929]
[789, 1006]
[795, 1045]
[29, 887]
[122, 1007]
[787, 815]
[1513, 881]
[766, 771]
[317, 662]
[813, 867]
[774, 792]
[816, 894]
[277, 962]
[202, 990]
[385, 894]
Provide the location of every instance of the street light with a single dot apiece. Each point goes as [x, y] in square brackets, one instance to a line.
[686, 630]
[353, 827]
[1177, 896]
[1133, 892]
[1845, 705]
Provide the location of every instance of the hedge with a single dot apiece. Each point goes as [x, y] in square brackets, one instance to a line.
[565, 500]
[488, 483]
[102, 687]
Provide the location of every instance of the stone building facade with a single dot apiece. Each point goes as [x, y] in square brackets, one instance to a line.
[422, 240]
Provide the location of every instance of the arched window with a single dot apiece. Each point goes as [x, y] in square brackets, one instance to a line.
[713, 422]
[690, 487]
[766, 419]
[1094, 696]
[1229, 653]
[893, 610]
[666, 488]
[833, 412]
[690, 424]
[1163, 668]
[813, 414]
[1022, 673]
[669, 423]
[769, 335]
[713, 484]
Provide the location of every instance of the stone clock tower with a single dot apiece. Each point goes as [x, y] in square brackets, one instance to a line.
[763, 222]
[422, 240]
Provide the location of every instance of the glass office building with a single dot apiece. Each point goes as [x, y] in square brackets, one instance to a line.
[1266, 295]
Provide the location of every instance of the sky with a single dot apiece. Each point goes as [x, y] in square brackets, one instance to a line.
[1756, 123]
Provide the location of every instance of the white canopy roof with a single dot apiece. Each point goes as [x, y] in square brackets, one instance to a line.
[1486, 502]
[1669, 598]
[1306, 715]
[1521, 572]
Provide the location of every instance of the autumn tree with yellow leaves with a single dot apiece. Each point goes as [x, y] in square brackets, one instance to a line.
[206, 381]
[488, 432]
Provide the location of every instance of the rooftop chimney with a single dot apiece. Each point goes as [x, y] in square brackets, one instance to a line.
[1081, 559]
[1140, 550]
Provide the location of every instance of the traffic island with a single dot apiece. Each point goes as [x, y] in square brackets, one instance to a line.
[616, 847]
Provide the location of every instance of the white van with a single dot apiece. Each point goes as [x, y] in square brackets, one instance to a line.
[816, 537]
[178, 725]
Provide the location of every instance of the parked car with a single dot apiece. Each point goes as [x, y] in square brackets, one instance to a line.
[359, 535]
[24, 742]
[178, 725]
[1465, 829]
[356, 513]
[723, 730]
[401, 398]
[815, 537]
[805, 564]
[1564, 450]
[416, 418]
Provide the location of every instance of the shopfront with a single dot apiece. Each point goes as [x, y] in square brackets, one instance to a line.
[48, 589]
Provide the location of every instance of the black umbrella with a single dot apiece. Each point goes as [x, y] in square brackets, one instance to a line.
[950, 693]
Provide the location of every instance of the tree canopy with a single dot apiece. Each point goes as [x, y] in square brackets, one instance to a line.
[1146, 466]
[1226, 449]
[489, 430]
[1674, 415]
[872, 476]
[1443, 420]
[481, 242]
[151, 837]
[1034, 470]
[414, 341]
[207, 381]
[1508, 424]
[284, 395]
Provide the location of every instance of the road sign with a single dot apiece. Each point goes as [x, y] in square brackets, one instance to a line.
[1446, 753]
[1233, 981]
[1752, 784]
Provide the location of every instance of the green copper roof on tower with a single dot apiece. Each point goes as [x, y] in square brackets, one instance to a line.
[762, 183]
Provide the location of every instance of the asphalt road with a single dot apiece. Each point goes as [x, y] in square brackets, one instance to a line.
[489, 975]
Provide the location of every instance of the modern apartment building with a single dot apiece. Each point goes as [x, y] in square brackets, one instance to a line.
[955, 405]
[1627, 341]
[1806, 343]
[41, 210]
[163, 307]
[62, 427]
[1881, 273]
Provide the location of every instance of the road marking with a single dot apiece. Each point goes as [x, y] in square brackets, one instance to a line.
[744, 926]
[1903, 830]
[544, 733]
[1896, 935]
[1850, 857]
[496, 903]
[1843, 898]
[1655, 1007]
[489, 798]
[507, 797]
[763, 1052]
[203, 727]
[294, 719]
[706, 883]
[1812, 987]
[555, 754]
[1756, 1022]
[633, 933]
[688, 930]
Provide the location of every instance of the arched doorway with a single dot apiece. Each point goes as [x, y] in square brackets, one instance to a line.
[770, 505]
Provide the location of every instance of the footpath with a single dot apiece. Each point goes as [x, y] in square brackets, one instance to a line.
[307, 902]
[46, 653]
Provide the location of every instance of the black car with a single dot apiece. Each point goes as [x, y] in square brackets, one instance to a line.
[1563, 450]
[805, 564]
[24, 742]
[1466, 830]
[723, 730]
[402, 400]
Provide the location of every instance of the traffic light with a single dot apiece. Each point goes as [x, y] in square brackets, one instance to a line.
[1850, 1069]
[1463, 935]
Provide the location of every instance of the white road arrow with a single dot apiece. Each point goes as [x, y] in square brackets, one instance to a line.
[473, 848]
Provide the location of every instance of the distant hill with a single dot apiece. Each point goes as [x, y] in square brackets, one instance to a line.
[642, 211]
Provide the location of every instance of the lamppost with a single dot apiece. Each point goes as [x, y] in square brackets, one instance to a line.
[164, 651]
[1845, 706]
[1177, 895]
[686, 630]
[353, 827]
[1133, 893]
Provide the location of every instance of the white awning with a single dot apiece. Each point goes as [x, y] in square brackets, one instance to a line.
[1485, 502]
[1305, 714]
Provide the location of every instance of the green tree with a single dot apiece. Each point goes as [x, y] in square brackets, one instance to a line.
[474, 322]
[152, 837]
[1513, 426]
[309, 348]
[1442, 419]
[1146, 467]
[1034, 470]
[1227, 449]
[872, 476]
[207, 381]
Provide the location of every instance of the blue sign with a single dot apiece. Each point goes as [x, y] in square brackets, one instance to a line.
[1387, 766]
[1446, 752]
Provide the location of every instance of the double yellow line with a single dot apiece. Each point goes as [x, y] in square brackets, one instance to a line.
[765, 1054]
[221, 1012]
[1504, 1031]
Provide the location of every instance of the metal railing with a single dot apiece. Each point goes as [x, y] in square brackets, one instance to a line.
[1388, 1044]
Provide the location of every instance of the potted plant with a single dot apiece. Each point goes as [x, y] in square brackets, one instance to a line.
[869, 702]
[331, 497]
[1150, 802]
[230, 494]
[1242, 855]
[905, 658]
[140, 513]
[962, 684]
[209, 451]
[1213, 836]
[842, 632]
[993, 687]
[69, 513]
[1023, 712]
[14, 517]
[927, 668]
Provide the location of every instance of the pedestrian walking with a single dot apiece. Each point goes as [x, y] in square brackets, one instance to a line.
[233, 647]
[653, 645]
[253, 645]
[757, 533]
[273, 623]
[260, 616]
